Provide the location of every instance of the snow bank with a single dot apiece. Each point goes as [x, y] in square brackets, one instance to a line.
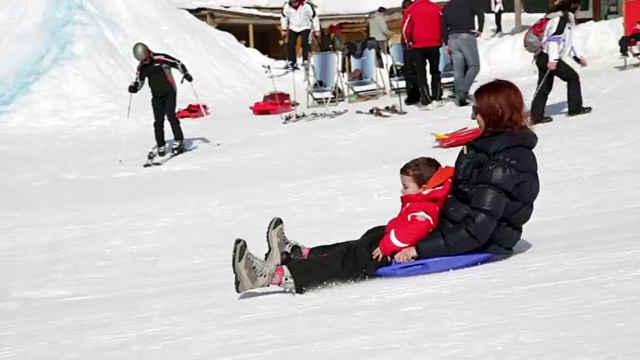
[83, 52]
[33, 46]
[596, 41]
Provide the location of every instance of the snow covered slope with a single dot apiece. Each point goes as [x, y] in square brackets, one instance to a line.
[89, 42]
[102, 259]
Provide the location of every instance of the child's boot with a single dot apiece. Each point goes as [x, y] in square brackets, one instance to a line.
[278, 244]
[250, 272]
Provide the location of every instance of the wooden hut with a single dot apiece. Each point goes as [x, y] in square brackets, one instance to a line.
[259, 27]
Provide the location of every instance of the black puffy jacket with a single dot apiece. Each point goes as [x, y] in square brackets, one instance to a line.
[492, 195]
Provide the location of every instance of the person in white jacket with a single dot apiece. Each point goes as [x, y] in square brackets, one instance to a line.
[497, 8]
[550, 61]
[298, 18]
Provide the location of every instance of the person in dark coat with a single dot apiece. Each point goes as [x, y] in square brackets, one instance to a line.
[495, 183]
[155, 68]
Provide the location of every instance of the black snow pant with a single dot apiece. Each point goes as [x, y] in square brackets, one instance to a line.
[340, 262]
[498, 15]
[165, 105]
[410, 72]
[293, 40]
[423, 56]
[624, 43]
[545, 84]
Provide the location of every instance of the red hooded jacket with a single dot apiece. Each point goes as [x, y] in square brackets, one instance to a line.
[422, 24]
[418, 214]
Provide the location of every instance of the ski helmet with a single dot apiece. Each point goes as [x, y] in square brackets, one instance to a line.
[140, 51]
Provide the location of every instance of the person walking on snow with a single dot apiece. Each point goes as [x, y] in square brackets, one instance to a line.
[156, 68]
[297, 19]
[379, 30]
[557, 45]
[425, 187]
[422, 32]
[460, 39]
[497, 8]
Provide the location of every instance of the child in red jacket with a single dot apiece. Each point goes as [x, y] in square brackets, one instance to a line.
[627, 42]
[420, 206]
[425, 187]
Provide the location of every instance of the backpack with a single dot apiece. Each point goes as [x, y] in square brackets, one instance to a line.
[533, 36]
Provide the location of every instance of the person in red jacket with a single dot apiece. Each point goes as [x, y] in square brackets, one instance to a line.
[422, 32]
[419, 211]
[626, 42]
[425, 187]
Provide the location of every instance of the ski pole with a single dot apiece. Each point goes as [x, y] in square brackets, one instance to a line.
[198, 98]
[541, 82]
[120, 142]
[129, 107]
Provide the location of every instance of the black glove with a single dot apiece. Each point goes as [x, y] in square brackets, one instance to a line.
[133, 88]
[188, 77]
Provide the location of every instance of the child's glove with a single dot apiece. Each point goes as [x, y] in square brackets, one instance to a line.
[133, 88]
[188, 77]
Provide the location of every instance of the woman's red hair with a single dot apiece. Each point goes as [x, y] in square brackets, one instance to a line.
[501, 106]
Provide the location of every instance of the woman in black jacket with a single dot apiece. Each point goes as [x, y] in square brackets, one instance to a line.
[495, 183]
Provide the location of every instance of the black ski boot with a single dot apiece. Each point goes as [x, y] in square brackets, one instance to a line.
[177, 147]
[161, 150]
[544, 120]
[582, 111]
[462, 98]
[413, 96]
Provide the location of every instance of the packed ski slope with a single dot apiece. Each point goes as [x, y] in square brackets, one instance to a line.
[102, 259]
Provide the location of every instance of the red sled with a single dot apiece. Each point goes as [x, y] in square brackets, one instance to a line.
[457, 138]
[193, 111]
[276, 102]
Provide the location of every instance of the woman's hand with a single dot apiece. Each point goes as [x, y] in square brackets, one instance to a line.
[378, 255]
[406, 255]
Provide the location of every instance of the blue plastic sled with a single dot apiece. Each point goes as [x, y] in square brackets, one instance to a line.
[432, 265]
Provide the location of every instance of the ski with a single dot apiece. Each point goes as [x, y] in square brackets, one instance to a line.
[392, 109]
[327, 115]
[152, 156]
[291, 118]
[374, 112]
[335, 114]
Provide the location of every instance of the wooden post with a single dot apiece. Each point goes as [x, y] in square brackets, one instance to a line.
[210, 19]
[251, 38]
[517, 9]
[597, 10]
